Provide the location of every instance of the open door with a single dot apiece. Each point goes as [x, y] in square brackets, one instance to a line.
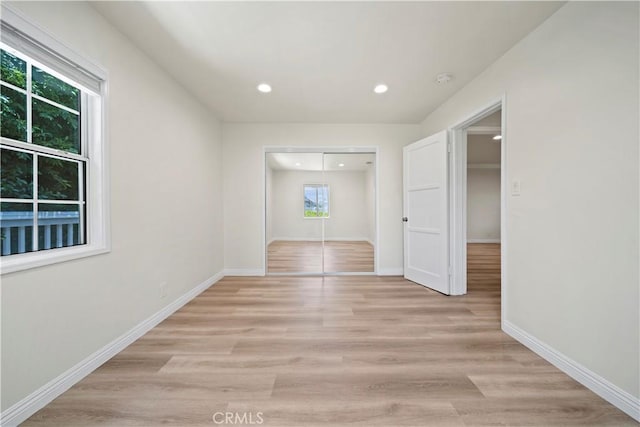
[426, 231]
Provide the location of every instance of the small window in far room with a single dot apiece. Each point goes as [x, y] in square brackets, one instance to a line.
[316, 201]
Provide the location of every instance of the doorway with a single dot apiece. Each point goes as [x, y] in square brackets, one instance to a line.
[320, 212]
[478, 203]
[437, 247]
[483, 183]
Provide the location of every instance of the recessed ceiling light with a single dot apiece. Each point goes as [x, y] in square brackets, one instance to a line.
[444, 78]
[381, 88]
[298, 163]
[341, 164]
[497, 137]
[264, 88]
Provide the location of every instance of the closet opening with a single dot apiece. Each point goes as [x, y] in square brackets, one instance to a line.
[320, 212]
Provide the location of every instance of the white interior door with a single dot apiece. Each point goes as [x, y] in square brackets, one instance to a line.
[426, 231]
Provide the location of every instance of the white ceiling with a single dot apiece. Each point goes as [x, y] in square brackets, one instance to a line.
[323, 58]
[318, 161]
[482, 149]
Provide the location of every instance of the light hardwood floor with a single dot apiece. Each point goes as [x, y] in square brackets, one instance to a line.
[333, 351]
[483, 269]
[306, 257]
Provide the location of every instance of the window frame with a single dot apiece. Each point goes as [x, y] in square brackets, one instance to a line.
[316, 186]
[93, 139]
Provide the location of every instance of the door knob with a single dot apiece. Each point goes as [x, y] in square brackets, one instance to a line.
[405, 219]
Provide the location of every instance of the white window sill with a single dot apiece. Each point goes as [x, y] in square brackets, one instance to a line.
[26, 261]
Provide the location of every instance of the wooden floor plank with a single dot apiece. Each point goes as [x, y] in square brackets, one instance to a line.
[374, 385]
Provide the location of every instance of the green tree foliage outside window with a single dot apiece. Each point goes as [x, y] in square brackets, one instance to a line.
[14, 70]
[54, 106]
[53, 127]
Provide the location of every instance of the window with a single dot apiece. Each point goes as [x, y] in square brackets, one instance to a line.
[51, 148]
[316, 201]
[42, 204]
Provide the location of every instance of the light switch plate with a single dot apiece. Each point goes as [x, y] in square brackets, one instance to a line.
[515, 187]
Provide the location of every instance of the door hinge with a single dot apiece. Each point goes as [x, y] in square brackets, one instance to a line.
[448, 147]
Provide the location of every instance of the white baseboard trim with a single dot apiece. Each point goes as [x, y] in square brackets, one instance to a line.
[613, 394]
[391, 272]
[28, 406]
[483, 240]
[244, 272]
[319, 239]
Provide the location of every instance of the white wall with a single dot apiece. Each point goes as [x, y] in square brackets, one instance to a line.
[166, 216]
[243, 159]
[483, 205]
[348, 216]
[483, 186]
[572, 140]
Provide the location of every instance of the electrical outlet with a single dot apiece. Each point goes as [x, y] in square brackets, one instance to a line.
[163, 290]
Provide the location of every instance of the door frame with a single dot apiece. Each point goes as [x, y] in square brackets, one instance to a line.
[321, 149]
[458, 199]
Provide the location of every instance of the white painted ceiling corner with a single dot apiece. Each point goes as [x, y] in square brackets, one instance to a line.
[324, 58]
